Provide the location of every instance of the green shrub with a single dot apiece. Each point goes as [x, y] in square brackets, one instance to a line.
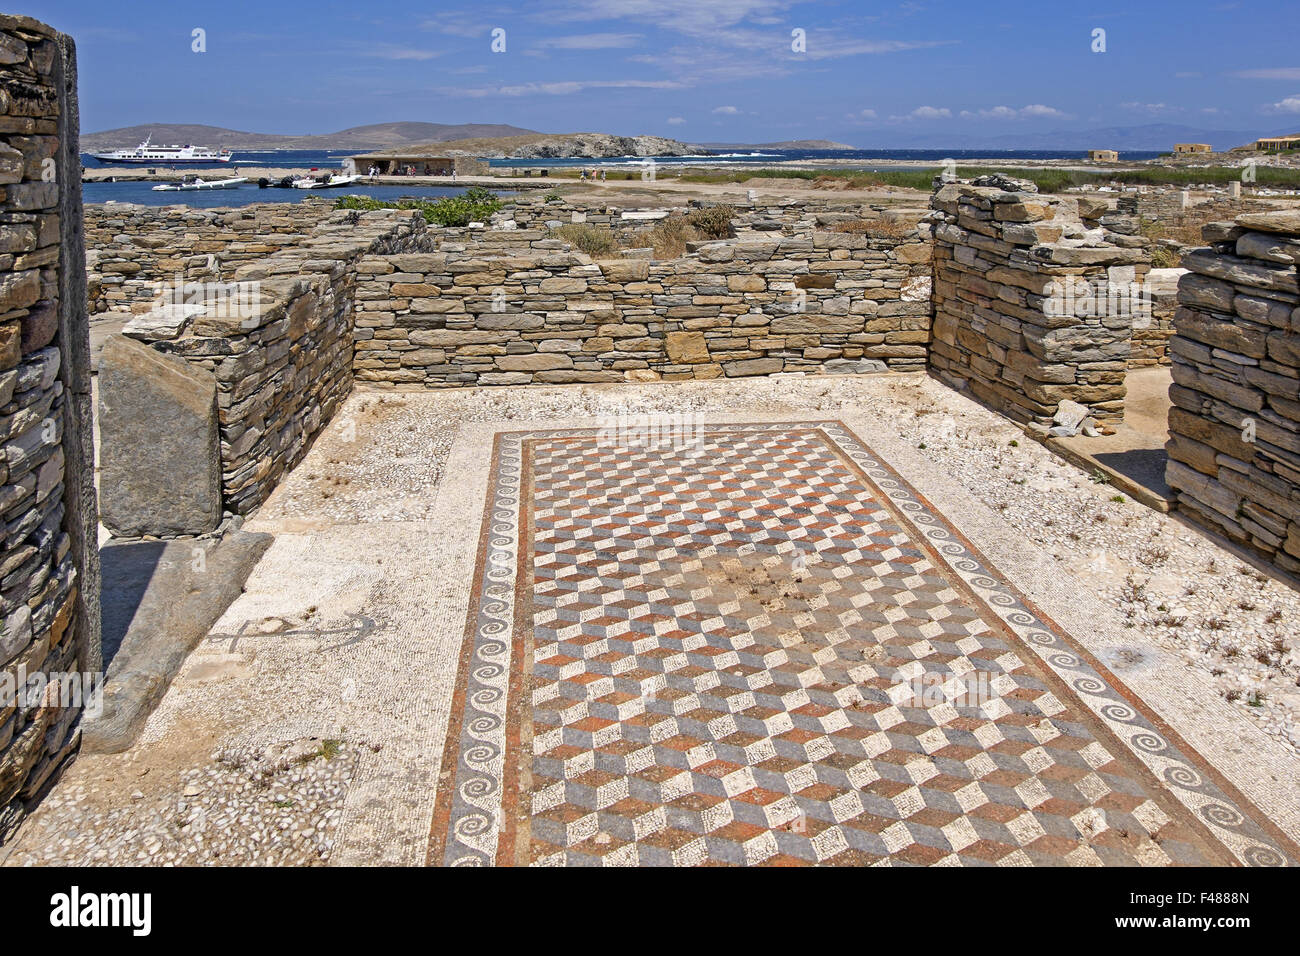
[712, 222]
[1163, 257]
[474, 205]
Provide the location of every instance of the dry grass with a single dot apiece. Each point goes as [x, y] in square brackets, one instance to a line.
[589, 239]
[669, 237]
[1187, 231]
[848, 181]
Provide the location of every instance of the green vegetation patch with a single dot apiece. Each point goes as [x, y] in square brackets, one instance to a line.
[473, 205]
[1047, 180]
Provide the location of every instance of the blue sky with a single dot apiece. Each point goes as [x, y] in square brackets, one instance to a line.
[697, 70]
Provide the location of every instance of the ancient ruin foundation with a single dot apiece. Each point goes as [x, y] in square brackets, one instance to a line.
[1023, 311]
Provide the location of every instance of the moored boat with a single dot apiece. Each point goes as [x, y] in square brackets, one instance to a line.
[166, 155]
[324, 182]
[191, 183]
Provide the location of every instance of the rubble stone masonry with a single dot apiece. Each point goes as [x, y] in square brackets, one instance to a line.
[1234, 428]
[276, 333]
[1024, 312]
[539, 312]
[49, 602]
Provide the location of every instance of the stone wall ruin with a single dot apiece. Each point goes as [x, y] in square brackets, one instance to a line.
[49, 572]
[1234, 428]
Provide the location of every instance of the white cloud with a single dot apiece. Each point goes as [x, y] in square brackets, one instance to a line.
[820, 49]
[390, 51]
[1289, 105]
[1032, 111]
[559, 88]
[685, 16]
[590, 41]
[1146, 107]
[930, 112]
[1038, 109]
[675, 121]
[458, 23]
[1279, 73]
[726, 110]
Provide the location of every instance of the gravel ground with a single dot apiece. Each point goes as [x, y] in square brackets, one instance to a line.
[280, 715]
[274, 806]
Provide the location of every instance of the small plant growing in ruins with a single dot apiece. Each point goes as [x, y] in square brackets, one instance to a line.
[589, 239]
[1099, 477]
[1152, 555]
[712, 222]
[669, 237]
[1163, 257]
[1133, 591]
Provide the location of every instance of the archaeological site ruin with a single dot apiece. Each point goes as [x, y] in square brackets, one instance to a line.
[630, 558]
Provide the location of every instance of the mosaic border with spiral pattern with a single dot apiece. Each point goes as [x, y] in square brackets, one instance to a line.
[474, 821]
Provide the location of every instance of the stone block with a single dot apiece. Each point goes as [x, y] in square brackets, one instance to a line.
[160, 452]
[687, 347]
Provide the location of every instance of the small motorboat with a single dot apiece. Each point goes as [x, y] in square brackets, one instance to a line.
[325, 182]
[191, 183]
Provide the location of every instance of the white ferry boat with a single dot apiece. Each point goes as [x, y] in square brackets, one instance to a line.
[166, 155]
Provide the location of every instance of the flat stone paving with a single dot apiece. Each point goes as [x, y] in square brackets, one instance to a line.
[755, 643]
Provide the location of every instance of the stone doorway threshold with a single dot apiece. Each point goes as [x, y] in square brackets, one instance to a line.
[1133, 459]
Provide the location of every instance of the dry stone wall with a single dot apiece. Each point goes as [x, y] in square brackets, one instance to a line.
[280, 351]
[134, 250]
[1173, 206]
[1234, 428]
[1153, 328]
[1024, 312]
[479, 313]
[628, 223]
[49, 602]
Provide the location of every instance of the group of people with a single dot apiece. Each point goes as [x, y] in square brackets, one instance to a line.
[595, 174]
[374, 171]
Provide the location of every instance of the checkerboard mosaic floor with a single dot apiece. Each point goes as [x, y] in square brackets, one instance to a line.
[761, 646]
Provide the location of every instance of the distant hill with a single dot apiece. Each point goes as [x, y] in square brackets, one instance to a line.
[552, 146]
[1151, 136]
[374, 136]
[784, 144]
